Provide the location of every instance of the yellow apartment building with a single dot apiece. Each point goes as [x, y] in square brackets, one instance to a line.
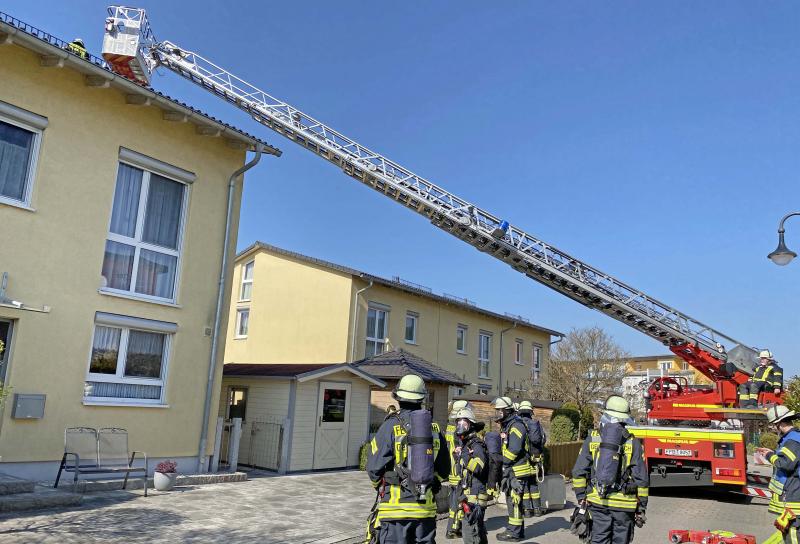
[112, 212]
[291, 308]
[655, 365]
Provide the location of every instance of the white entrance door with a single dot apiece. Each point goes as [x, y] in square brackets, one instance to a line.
[333, 420]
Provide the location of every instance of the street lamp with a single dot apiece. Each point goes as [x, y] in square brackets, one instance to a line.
[782, 254]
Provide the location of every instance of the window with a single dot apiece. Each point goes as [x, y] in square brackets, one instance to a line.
[665, 365]
[638, 366]
[484, 354]
[242, 322]
[518, 352]
[684, 365]
[484, 389]
[461, 339]
[247, 281]
[237, 402]
[20, 138]
[376, 331]
[144, 240]
[411, 327]
[459, 391]
[536, 364]
[334, 404]
[128, 361]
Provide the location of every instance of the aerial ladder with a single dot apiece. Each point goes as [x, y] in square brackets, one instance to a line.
[698, 454]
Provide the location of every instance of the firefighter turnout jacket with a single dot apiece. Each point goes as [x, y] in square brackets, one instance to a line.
[772, 374]
[389, 449]
[472, 462]
[633, 489]
[515, 448]
[452, 443]
[779, 477]
[785, 460]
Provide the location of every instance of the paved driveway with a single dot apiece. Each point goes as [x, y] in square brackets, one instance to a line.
[319, 509]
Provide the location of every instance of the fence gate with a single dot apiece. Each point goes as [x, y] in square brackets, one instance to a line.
[262, 442]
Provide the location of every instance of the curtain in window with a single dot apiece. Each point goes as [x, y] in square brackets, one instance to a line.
[163, 213]
[122, 390]
[145, 353]
[118, 265]
[156, 274]
[15, 151]
[126, 200]
[105, 350]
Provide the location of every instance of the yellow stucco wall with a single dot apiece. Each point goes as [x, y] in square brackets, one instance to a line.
[302, 312]
[653, 363]
[54, 256]
[299, 313]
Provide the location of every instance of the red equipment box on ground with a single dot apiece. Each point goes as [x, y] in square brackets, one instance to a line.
[676, 536]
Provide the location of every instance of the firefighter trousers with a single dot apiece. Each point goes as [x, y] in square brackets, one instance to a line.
[789, 537]
[454, 514]
[516, 523]
[473, 527]
[748, 393]
[531, 498]
[611, 526]
[407, 531]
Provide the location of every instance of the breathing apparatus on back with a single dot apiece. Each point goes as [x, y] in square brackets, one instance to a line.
[416, 471]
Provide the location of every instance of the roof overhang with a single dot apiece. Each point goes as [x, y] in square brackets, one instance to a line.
[322, 372]
[97, 76]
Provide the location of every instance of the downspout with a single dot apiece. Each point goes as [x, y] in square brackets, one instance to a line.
[550, 349]
[500, 376]
[212, 363]
[355, 322]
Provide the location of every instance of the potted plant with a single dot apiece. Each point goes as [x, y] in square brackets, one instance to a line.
[165, 475]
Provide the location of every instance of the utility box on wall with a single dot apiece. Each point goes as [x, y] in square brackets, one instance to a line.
[30, 406]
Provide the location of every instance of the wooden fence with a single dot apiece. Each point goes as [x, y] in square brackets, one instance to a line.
[563, 456]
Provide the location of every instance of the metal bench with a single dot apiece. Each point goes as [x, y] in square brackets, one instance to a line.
[99, 451]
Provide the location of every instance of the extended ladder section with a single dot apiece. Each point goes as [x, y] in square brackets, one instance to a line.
[480, 228]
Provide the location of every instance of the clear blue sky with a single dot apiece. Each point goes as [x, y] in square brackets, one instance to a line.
[656, 141]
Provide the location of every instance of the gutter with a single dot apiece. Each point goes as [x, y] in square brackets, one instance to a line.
[500, 376]
[355, 321]
[212, 363]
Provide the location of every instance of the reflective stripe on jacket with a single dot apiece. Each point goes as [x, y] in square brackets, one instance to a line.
[771, 373]
[635, 466]
[387, 450]
[452, 443]
[785, 482]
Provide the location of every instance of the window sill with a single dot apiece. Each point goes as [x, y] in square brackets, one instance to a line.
[411, 343]
[244, 300]
[120, 403]
[484, 378]
[519, 364]
[127, 296]
[461, 352]
[16, 204]
[240, 338]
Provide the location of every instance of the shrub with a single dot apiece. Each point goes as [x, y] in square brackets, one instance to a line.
[362, 456]
[562, 429]
[768, 440]
[167, 467]
[585, 417]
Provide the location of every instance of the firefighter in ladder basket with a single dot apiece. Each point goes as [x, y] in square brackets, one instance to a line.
[610, 480]
[768, 376]
[408, 460]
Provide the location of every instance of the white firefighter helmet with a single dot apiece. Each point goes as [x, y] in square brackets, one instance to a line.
[410, 388]
[457, 405]
[765, 354]
[778, 413]
[466, 413]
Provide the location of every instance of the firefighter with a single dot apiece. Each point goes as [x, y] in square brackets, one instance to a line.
[516, 467]
[404, 513]
[613, 513]
[767, 377]
[785, 461]
[453, 443]
[76, 47]
[531, 497]
[472, 461]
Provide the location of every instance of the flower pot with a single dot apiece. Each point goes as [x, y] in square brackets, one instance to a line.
[164, 481]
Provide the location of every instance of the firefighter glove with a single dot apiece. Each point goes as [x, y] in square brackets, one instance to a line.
[640, 519]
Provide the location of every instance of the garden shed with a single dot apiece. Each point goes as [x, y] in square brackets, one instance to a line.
[298, 417]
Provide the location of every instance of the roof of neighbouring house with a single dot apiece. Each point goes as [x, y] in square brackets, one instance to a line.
[653, 357]
[299, 372]
[393, 365]
[397, 284]
[40, 41]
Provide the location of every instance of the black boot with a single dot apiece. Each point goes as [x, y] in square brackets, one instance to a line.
[507, 536]
[538, 512]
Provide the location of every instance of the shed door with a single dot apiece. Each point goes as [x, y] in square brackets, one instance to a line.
[333, 419]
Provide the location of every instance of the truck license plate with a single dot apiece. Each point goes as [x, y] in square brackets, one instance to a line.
[679, 453]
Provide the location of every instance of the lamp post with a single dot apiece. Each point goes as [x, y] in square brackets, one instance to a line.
[782, 254]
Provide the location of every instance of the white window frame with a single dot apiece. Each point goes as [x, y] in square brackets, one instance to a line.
[137, 242]
[122, 355]
[484, 362]
[383, 341]
[518, 352]
[536, 363]
[246, 280]
[32, 123]
[684, 366]
[415, 318]
[238, 330]
[665, 366]
[464, 329]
